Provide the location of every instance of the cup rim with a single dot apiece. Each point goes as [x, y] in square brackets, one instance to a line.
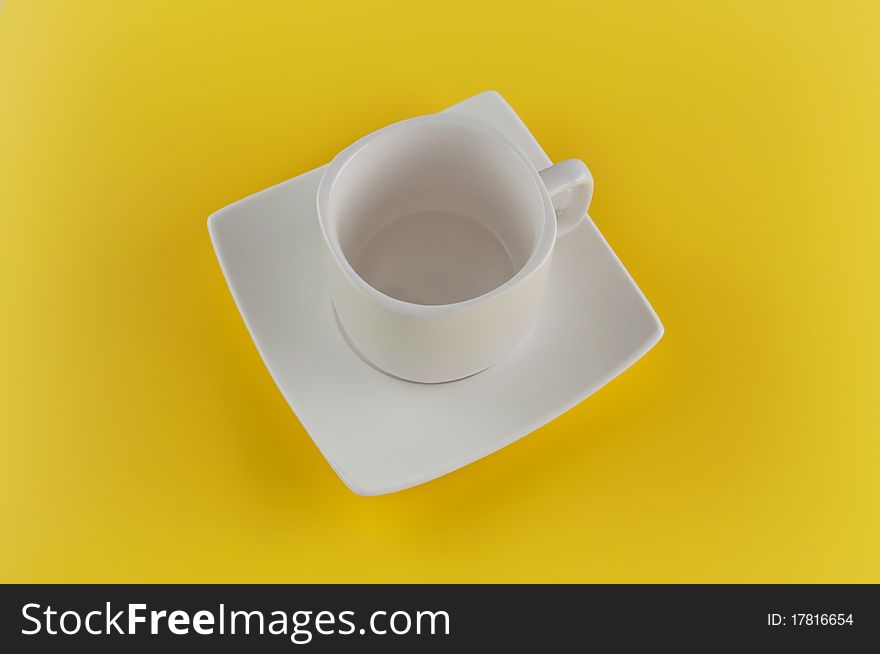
[335, 168]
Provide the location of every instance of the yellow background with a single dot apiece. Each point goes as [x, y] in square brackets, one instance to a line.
[735, 150]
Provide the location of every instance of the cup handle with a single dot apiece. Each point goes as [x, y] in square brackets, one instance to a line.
[570, 185]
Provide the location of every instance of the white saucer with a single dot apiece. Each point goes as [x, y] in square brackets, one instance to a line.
[383, 434]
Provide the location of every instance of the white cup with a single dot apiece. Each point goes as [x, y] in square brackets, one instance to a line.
[440, 233]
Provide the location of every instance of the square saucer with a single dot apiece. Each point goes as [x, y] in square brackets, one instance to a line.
[381, 434]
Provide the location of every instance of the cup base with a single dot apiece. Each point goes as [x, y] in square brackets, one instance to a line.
[362, 357]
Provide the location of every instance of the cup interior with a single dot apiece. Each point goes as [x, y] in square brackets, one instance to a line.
[435, 213]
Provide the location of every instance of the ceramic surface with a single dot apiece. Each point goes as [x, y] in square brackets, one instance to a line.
[382, 434]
